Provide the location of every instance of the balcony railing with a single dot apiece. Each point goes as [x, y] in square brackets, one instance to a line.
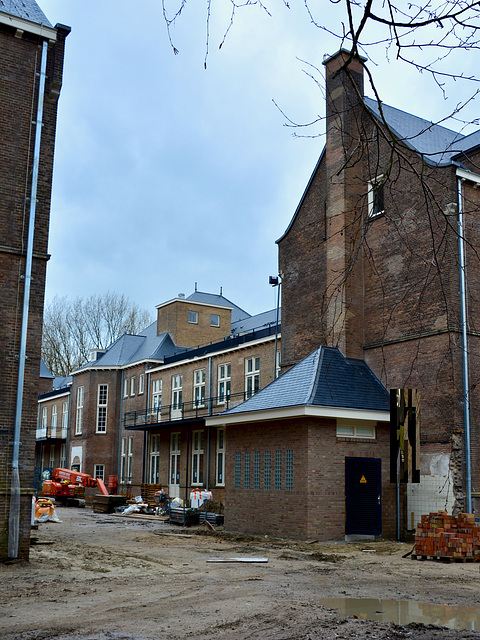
[184, 411]
[44, 433]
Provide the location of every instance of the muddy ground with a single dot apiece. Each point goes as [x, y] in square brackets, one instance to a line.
[99, 577]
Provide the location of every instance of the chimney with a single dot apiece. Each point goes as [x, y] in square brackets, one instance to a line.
[345, 193]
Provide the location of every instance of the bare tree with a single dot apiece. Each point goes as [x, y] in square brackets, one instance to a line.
[72, 328]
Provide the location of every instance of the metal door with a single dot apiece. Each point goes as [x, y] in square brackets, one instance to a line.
[363, 496]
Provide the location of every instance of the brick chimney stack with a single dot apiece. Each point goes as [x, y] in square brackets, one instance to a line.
[345, 193]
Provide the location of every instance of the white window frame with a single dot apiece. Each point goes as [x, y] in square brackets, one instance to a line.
[224, 382]
[54, 418]
[125, 388]
[132, 385]
[199, 388]
[129, 468]
[99, 471]
[356, 429]
[79, 413]
[123, 461]
[102, 408]
[65, 415]
[63, 455]
[141, 384]
[154, 459]
[214, 320]
[177, 395]
[51, 459]
[157, 396]
[252, 376]
[193, 317]
[44, 418]
[198, 443]
[220, 458]
[373, 186]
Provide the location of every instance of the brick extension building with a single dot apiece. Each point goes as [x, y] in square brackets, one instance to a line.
[31, 51]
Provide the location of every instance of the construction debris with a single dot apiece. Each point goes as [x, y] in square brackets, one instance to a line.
[440, 536]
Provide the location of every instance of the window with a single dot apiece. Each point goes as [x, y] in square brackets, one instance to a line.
[65, 416]
[123, 460]
[252, 376]
[267, 470]
[79, 416]
[289, 470]
[54, 419]
[238, 470]
[154, 459]
[199, 387]
[141, 384]
[175, 444]
[193, 317]
[129, 459]
[45, 419]
[375, 197]
[257, 462]
[63, 456]
[197, 457]
[132, 386]
[157, 396]
[102, 400]
[277, 474]
[125, 388]
[177, 391]
[246, 470]
[99, 471]
[51, 462]
[355, 429]
[220, 480]
[224, 382]
[214, 320]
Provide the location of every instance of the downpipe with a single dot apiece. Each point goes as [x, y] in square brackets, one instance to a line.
[14, 511]
[463, 320]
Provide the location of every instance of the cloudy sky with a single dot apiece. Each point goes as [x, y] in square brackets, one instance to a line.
[168, 174]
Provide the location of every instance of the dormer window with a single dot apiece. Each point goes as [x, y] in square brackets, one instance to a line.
[193, 317]
[375, 197]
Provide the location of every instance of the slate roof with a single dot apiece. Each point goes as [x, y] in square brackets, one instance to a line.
[27, 9]
[439, 144]
[220, 300]
[44, 370]
[325, 378]
[128, 349]
[259, 321]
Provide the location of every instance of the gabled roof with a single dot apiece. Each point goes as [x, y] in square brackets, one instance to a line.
[325, 378]
[129, 349]
[45, 371]
[438, 144]
[221, 301]
[26, 9]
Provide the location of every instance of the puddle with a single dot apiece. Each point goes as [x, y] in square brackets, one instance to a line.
[406, 611]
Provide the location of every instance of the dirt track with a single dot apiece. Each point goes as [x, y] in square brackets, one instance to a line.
[120, 578]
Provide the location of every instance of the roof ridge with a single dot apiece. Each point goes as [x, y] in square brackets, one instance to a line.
[318, 353]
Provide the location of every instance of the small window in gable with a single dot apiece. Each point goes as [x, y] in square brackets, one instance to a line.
[214, 320]
[376, 197]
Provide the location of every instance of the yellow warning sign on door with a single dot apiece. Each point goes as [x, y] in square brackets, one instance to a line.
[363, 480]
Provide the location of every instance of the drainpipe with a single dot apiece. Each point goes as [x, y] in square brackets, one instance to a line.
[463, 314]
[14, 513]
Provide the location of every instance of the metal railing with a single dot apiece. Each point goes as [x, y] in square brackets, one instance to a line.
[43, 433]
[184, 411]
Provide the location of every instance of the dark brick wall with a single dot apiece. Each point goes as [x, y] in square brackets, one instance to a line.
[315, 507]
[18, 87]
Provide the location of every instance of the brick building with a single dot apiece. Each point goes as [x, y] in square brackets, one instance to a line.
[31, 51]
[138, 409]
[372, 264]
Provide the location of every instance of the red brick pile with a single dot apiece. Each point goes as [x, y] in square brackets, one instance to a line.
[442, 536]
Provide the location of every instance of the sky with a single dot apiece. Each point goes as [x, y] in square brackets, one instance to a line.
[168, 174]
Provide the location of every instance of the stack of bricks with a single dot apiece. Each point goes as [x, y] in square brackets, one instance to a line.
[448, 537]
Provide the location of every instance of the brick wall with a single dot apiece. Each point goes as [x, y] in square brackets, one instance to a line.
[18, 80]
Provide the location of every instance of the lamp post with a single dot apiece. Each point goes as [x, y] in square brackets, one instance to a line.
[276, 281]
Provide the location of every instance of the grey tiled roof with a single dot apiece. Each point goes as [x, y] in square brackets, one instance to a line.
[439, 144]
[147, 345]
[27, 9]
[325, 378]
[218, 299]
[60, 382]
[259, 321]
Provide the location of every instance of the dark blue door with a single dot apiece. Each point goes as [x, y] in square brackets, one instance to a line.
[363, 496]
